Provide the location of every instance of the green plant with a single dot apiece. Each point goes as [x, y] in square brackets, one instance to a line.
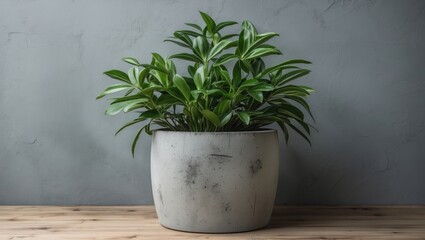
[211, 97]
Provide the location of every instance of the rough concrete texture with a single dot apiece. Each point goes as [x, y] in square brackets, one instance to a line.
[214, 182]
[57, 147]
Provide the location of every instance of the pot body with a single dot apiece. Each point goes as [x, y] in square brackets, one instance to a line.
[214, 182]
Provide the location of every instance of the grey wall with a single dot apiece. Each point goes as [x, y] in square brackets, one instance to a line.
[57, 147]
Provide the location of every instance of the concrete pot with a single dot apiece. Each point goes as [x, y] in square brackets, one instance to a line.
[214, 182]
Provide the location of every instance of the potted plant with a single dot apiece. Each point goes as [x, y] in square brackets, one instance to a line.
[214, 167]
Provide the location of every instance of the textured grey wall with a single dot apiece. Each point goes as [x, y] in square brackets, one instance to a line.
[57, 147]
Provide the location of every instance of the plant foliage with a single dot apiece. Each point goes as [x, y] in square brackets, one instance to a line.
[227, 86]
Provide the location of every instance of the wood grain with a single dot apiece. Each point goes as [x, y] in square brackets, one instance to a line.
[140, 222]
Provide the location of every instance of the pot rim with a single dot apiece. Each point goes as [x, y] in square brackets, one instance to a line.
[261, 130]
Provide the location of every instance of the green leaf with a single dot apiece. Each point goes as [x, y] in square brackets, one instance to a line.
[134, 104]
[224, 59]
[186, 56]
[304, 125]
[242, 42]
[191, 70]
[237, 75]
[229, 36]
[128, 98]
[194, 112]
[189, 33]
[260, 39]
[159, 60]
[224, 74]
[209, 22]
[302, 102]
[214, 92]
[256, 95]
[129, 124]
[246, 66]
[115, 108]
[299, 132]
[153, 67]
[151, 114]
[248, 83]
[181, 84]
[225, 119]
[249, 33]
[199, 77]
[118, 75]
[284, 130]
[195, 93]
[133, 146]
[292, 76]
[142, 76]
[148, 91]
[254, 113]
[263, 87]
[249, 27]
[291, 111]
[257, 66]
[148, 129]
[133, 75]
[216, 38]
[244, 117]
[181, 44]
[129, 92]
[201, 47]
[307, 89]
[131, 60]
[161, 77]
[218, 48]
[225, 24]
[114, 88]
[222, 107]
[175, 92]
[212, 117]
[289, 90]
[183, 37]
[281, 66]
[261, 52]
[171, 67]
[197, 27]
[166, 99]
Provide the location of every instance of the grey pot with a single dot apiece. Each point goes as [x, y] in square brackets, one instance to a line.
[214, 182]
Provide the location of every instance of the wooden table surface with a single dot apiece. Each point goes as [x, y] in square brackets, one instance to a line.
[140, 222]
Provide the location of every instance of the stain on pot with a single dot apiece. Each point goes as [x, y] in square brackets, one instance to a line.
[192, 172]
[220, 155]
[227, 207]
[220, 158]
[160, 195]
[255, 166]
[255, 203]
[215, 188]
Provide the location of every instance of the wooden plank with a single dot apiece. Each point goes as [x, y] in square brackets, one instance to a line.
[140, 222]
